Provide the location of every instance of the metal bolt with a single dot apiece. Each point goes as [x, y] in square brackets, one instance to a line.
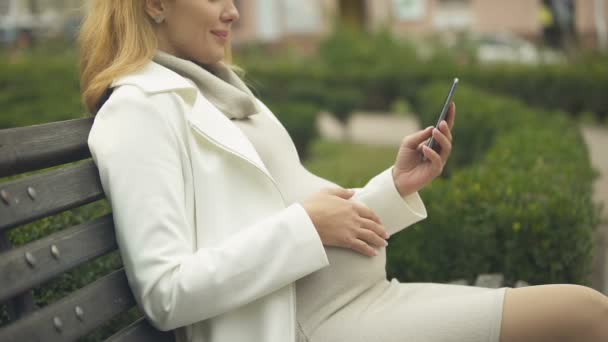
[79, 313]
[55, 251]
[31, 260]
[5, 196]
[32, 192]
[57, 323]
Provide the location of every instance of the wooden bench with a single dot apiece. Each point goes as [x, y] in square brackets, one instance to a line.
[39, 195]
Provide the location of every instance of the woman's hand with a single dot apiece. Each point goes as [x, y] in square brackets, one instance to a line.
[344, 223]
[410, 172]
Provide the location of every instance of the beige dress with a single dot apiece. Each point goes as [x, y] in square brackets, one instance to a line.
[350, 300]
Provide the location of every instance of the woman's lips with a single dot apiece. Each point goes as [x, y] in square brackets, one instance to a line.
[222, 35]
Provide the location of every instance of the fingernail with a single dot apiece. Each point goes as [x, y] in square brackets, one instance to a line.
[385, 243]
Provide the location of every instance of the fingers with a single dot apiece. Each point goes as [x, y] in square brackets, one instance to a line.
[376, 228]
[366, 213]
[445, 129]
[419, 149]
[369, 236]
[451, 115]
[413, 140]
[436, 161]
[363, 248]
[373, 234]
[340, 192]
[446, 145]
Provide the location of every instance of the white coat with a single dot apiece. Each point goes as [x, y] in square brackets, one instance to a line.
[209, 245]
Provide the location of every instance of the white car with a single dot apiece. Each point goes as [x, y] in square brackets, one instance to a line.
[510, 48]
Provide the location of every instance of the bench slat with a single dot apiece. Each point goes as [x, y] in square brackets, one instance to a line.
[37, 147]
[141, 331]
[97, 302]
[72, 247]
[22, 304]
[54, 191]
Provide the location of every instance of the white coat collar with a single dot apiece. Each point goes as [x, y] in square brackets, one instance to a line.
[217, 81]
[203, 116]
[155, 78]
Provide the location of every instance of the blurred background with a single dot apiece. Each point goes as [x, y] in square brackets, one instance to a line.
[522, 198]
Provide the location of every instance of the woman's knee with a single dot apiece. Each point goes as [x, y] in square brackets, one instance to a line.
[564, 312]
[594, 305]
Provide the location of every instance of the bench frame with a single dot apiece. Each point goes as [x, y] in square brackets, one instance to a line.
[42, 194]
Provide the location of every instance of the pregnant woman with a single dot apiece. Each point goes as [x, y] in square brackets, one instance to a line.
[226, 237]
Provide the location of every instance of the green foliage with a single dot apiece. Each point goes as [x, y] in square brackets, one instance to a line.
[521, 204]
[519, 200]
[481, 117]
[341, 162]
[299, 119]
[382, 69]
[37, 90]
[525, 210]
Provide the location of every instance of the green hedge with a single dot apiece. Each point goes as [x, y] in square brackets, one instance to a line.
[382, 69]
[518, 199]
[38, 90]
[519, 204]
[299, 119]
[572, 88]
[516, 213]
[481, 118]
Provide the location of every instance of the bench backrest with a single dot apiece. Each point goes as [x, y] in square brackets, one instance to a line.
[22, 268]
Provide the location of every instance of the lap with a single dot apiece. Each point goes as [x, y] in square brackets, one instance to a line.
[420, 312]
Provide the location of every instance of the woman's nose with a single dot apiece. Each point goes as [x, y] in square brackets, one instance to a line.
[231, 14]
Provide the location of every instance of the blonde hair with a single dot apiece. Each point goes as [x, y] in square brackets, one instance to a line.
[116, 38]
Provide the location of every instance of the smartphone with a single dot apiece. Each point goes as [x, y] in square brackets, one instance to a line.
[432, 143]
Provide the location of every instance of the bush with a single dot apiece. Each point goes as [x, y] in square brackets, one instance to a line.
[299, 120]
[481, 117]
[520, 205]
[518, 202]
[384, 69]
[39, 90]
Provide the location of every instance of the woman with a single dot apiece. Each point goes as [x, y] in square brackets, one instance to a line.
[218, 222]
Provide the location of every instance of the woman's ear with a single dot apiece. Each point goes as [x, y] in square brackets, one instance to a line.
[156, 10]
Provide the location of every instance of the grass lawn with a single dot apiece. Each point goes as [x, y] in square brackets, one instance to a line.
[348, 164]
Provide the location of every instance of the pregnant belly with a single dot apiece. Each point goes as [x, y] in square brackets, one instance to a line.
[348, 275]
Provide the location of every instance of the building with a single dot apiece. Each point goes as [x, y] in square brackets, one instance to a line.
[277, 20]
[38, 17]
[305, 22]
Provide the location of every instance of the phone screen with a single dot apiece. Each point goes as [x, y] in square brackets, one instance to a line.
[432, 143]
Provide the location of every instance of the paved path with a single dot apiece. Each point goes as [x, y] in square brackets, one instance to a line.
[597, 141]
[389, 129]
[368, 128]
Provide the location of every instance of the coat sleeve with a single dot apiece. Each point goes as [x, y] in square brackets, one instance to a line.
[381, 195]
[138, 156]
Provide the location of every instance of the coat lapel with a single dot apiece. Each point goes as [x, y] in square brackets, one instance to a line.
[202, 116]
[206, 120]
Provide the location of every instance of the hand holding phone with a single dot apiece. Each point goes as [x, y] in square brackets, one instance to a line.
[432, 143]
